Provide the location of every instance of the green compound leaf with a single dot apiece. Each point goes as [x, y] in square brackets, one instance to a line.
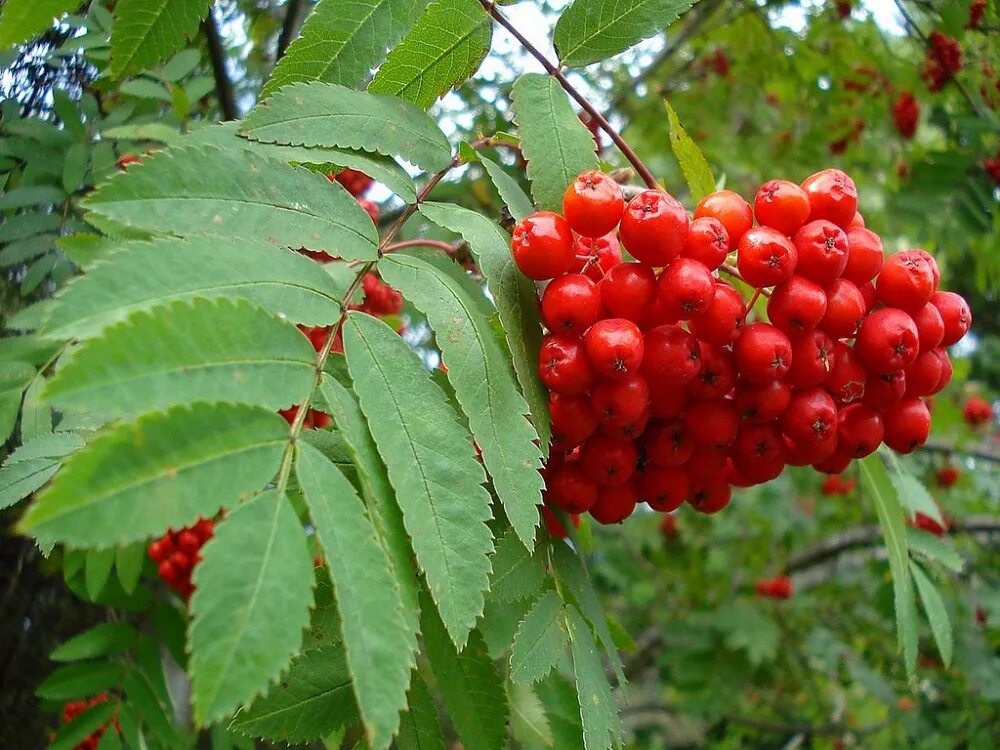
[324, 114]
[431, 465]
[937, 614]
[145, 34]
[250, 606]
[236, 193]
[485, 386]
[21, 20]
[221, 350]
[593, 30]
[694, 166]
[445, 47]
[380, 647]
[419, 727]
[343, 40]
[105, 639]
[602, 726]
[556, 144]
[514, 296]
[164, 470]
[280, 281]
[540, 640]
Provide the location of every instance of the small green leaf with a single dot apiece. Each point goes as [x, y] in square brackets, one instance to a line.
[31, 195]
[517, 202]
[128, 564]
[540, 640]
[75, 167]
[933, 548]
[144, 35]
[143, 88]
[528, 722]
[23, 19]
[105, 639]
[419, 728]
[181, 65]
[98, 569]
[26, 225]
[937, 615]
[911, 492]
[517, 572]
[36, 412]
[251, 603]
[750, 629]
[81, 680]
[19, 480]
[562, 708]
[601, 724]
[694, 166]
[21, 251]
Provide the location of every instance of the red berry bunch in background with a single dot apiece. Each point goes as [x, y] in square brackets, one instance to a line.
[926, 523]
[72, 709]
[835, 485]
[774, 588]
[947, 476]
[993, 167]
[944, 60]
[177, 552]
[977, 411]
[661, 389]
[906, 114]
[843, 9]
[976, 12]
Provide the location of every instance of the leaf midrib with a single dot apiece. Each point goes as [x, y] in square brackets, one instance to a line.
[434, 61]
[141, 39]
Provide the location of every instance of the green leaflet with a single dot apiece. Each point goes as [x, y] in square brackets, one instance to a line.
[23, 19]
[431, 465]
[343, 40]
[236, 193]
[324, 114]
[278, 280]
[26, 225]
[445, 47]
[104, 639]
[419, 728]
[251, 604]
[202, 350]
[138, 479]
[540, 640]
[514, 296]
[601, 724]
[29, 195]
[694, 166]
[80, 680]
[562, 709]
[528, 723]
[23, 478]
[517, 202]
[145, 34]
[593, 30]
[934, 548]
[380, 647]
[517, 573]
[15, 377]
[937, 614]
[484, 383]
[97, 570]
[556, 144]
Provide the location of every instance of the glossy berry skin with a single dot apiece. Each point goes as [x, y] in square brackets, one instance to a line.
[845, 309]
[710, 462]
[569, 489]
[859, 430]
[608, 461]
[709, 495]
[615, 504]
[885, 390]
[762, 353]
[654, 227]
[628, 291]
[666, 400]
[629, 430]
[597, 256]
[711, 423]
[832, 196]
[563, 366]
[717, 375]
[781, 205]
[570, 305]
[542, 245]
[593, 204]
[573, 420]
[730, 209]
[667, 444]
[930, 327]
[812, 360]
[721, 322]
[707, 242]
[614, 347]
[685, 289]
[811, 416]
[865, 255]
[887, 340]
[762, 402]
[836, 463]
[805, 454]
[923, 376]
[907, 425]
[823, 251]
[663, 489]
[758, 452]
[796, 306]
[848, 376]
[620, 402]
[671, 354]
[947, 370]
[766, 257]
[906, 281]
[955, 314]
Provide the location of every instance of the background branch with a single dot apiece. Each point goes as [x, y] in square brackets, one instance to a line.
[217, 54]
[294, 15]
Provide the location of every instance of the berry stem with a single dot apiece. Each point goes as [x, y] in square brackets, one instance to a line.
[568, 87]
[751, 303]
[730, 270]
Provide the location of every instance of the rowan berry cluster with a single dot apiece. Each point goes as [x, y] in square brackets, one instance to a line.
[944, 60]
[774, 588]
[662, 392]
[976, 12]
[977, 411]
[835, 485]
[177, 552]
[72, 709]
[906, 114]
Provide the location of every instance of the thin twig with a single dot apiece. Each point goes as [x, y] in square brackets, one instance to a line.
[731, 270]
[217, 54]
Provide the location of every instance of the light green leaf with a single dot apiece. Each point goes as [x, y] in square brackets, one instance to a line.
[36, 413]
[278, 280]
[528, 722]
[485, 386]
[23, 19]
[30, 195]
[469, 684]
[145, 34]
[445, 47]
[21, 251]
[601, 724]
[75, 167]
[419, 728]
[50, 445]
[514, 296]
[937, 615]
[324, 114]
[911, 492]
[236, 194]
[251, 603]
[15, 377]
[431, 465]
[128, 565]
[21, 479]
[97, 570]
[556, 144]
[343, 40]
[517, 202]
[540, 640]
[80, 680]
[149, 131]
[143, 88]
[25, 225]
[181, 65]
[593, 30]
[517, 573]
[105, 639]
[164, 470]
[380, 647]
[878, 486]
[748, 628]
[935, 548]
[202, 350]
[694, 166]
[312, 700]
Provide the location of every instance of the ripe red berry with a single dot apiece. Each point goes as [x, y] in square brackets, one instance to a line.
[865, 255]
[766, 257]
[906, 281]
[811, 416]
[721, 322]
[835, 463]
[553, 526]
[614, 347]
[796, 306]
[615, 504]
[570, 305]
[666, 444]
[167, 572]
[887, 340]
[685, 289]
[930, 326]
[608, 461]
[907, 425]
[848, 376]
[758, 452]
[628, 291]
[654, 227]
[806, 454]
[709, 495]
[781, 205]
[977, 411]
[812, 360]
[188, 542]
[845, 309]
[593, 204]
[666, 399]
[663, 489]
[885, 390]
[573, 420]
[923, 376]
[563, 366]
[762, 402]
[947, 370]
[823, 251]
[955, 314]
[762, 353]
[672, 355]
[543, 246]
[596, 256]
[628, 431]
[730, 209]
[711, 423]
[717, 375]
[570, 489]
[710, 462]
[707, 242]
[620, 402]
[947, 476]
[859, 430]
[832, 196]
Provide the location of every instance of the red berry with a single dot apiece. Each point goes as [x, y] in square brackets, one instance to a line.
[845, 309]
[671, 354]
[977, 411]
[157, 551]
[762, 353]
[570, 305]
[615, 504]
[721, 322]
[762, 402]
[188, 542]
[781, 205]
[599, 256]
[766, 257]
[628, 431]
[906, 281]
[823, 251]
[947, 476]
[569, 489]
[924, 374]
[930, 327]
[666, 400]
[628, 291]
[663, 489]
[573, 420]
[608, 461]
[907, 425]
[620, 402]
[553, 526]
[865, 255]
[666, 444]
[685, 289]
[614, 347]
[717, 375]
[758, 452]
[167, 572]
[946, 371]
[955, 314]
[543, 246]
[593, 204]
[654, 227]
[859, 430]
[707, 463]
[811, 416]
[711, 423]
[730, 209]
[848, 376]
[832, 196]
[709, 495]
[812, 360]
[796, 306]
[835, 463]
[887, 340]
[885, 390]
[707, 242]
[563, 366]
[806, 454]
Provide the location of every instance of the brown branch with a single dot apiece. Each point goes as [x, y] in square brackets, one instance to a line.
[217, 54]
[290, 28]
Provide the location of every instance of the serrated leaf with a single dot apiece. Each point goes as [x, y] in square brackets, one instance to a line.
[484, 384]
[517, 202]
[528, 722]
[236, 194]
[380, 647]
[878, 486]
[97, 570]
[144, 35]
[540, 640]
[73, 734]
[445, 47]
[325, 114]
[514, 296]
[15, 377]
[105, 639]
[562, 708]
[469, 683]
[144, 88]
[21, 251]
[36, 412]
[141, 696]
[937, 614]
[933, 548]
[593, 30]
[343, 40]
[52, 446]
[202, 350]
[517, 573]
[30, 195]
[912, 493]
[419, 728]
[75, 167]
[21, 479]
[23, 19]
[147, 131]
[431, 465]
[278, 280]
[128, 565]
[556, 144]
[29, 224]
[164, 470]
[601, 724]
[694, 166]
[747, 628]
[80, 680]
[253, 592]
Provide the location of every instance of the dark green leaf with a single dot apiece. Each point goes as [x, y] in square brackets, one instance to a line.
[419, 728]
[145, 35]
[128, 564]
[517, 573]
[81, 680]
[98, 569]
[517, 202]
[72, 735]
[528, 721]
[601, 725]
[540, 640]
